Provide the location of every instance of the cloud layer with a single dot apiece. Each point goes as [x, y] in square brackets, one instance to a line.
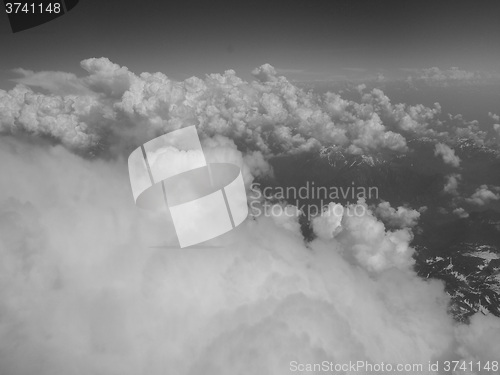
[85, 289]
[89, 284]
[450, 77]
[111, 110]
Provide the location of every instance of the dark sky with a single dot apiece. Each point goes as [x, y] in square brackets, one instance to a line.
[307, 40]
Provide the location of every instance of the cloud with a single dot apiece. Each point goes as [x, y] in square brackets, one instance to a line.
[87, 285]
[449, 77]
[451, 186]
[496, 127]
[116, 107]
[448, 154]
[460, 212]
[107, 77]
[113, 106]
[403, 217]
[454, 73]
[110, 110]
[482, 196]
[494, 116]
[371, 245]
[479, 342]
[287, 217]
[67, 119]
[58, 83]
[111, 303]
[464, 129]
[329, 223]
[221, 149]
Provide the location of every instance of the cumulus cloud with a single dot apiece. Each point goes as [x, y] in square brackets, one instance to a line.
[87, 285]
[110, 303]
[67, 119]
[448, 154]
[494, 116]
[90, 284]
[219, 149]
[115, 106]
[111, 110]
[412, 121]
[402, 217]
[328, 224]
[451, 186]
[496, 127]
[371, 245]
[482, 196]
[460, 212]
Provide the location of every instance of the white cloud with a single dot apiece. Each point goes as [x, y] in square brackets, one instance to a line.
[59, 83]
[112, 110]
[221, 149]
[113, 106]
[482, 196]
[460, 212]
[451, 186]
[496, 127]
[63, 118]
[494, 116]
[479, 341]
[77, 266]
[287, 217]
[328, 224]
[85, 289]
[448, 154]
[371, 245]
[403, 217]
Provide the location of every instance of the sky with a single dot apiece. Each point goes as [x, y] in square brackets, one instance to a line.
[308, 41]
